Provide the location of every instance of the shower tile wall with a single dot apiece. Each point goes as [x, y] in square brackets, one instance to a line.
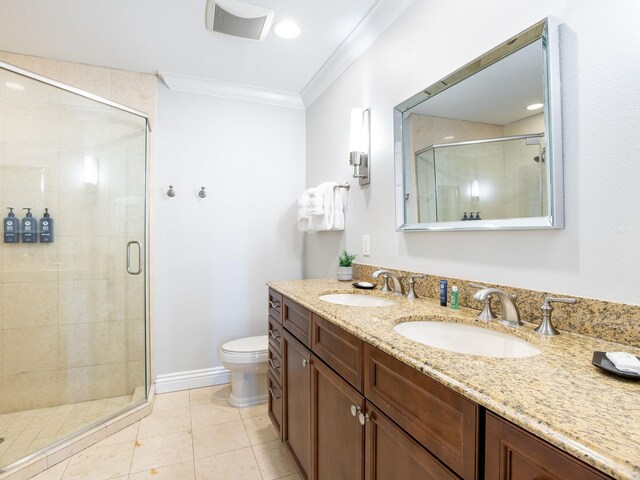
[71, 319]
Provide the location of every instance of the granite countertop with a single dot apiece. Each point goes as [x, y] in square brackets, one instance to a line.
[558, 395]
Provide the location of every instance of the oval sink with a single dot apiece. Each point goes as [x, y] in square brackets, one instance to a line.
[461, 338]
[356, 300]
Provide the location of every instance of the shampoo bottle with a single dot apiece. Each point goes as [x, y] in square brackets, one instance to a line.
[443, 293]
[29, 228]
[11, 228]
[454, 298]
[46, 228]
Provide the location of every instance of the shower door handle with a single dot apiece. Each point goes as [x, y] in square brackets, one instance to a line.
[129, 270]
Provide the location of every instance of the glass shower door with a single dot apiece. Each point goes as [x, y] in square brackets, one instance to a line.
[72, 317]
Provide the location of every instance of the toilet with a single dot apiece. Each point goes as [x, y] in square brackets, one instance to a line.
[246, 358]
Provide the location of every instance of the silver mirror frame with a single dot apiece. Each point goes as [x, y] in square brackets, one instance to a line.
[547, 30]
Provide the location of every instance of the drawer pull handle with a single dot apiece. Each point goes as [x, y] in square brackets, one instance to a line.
[363, 418]
[273, 334]
[273, 395]
[274, 304]
[305, 362]
[355, 410]
[273, 365]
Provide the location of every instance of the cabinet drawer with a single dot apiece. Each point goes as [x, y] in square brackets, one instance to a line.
[512, 453]
[339, 349]
[275, 335]
[275, 403]
[297, 320]
[275, 305]
[440, 419]
[275, 365]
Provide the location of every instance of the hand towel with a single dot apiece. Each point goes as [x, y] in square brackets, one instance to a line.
[339, 199]
[316, 206]
[625, 362]
[304, 205]
[324, 222]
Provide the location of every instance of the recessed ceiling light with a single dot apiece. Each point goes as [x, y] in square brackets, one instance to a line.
[535, 106]
[286, 29]
[448, 137]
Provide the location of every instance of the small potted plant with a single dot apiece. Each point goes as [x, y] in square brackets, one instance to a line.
[345, 269]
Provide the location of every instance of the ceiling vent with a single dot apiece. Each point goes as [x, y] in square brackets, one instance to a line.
[238, 19]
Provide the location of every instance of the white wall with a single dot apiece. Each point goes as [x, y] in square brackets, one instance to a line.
[214, 255]
[597, 254]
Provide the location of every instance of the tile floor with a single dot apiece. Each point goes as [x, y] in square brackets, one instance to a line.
[191, 435]
[28, 431]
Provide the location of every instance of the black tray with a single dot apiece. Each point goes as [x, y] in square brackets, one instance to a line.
[600, 360]
[360, 285]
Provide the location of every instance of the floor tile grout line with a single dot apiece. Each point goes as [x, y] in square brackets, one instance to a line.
[135, 445]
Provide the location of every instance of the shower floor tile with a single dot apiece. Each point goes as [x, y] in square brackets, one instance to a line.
[28, 431]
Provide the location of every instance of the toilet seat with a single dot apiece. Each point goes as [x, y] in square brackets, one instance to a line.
[246, 350]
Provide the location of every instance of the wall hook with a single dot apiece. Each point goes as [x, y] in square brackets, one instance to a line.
[171, 192]
[202, 193]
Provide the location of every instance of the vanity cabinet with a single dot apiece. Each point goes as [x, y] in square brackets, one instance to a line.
[512, 453]
[275, 367]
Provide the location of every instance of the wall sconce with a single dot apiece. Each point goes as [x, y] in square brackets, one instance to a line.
[359, 145]
[475, 189]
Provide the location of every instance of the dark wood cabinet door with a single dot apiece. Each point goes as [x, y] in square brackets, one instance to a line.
[297, 405]
[391, 454]
[512, 453]
[337, 433]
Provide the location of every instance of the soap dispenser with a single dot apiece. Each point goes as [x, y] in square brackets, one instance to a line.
[11, 228]
[29, 228]
[46, 228]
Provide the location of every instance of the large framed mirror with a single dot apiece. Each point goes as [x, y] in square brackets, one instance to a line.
[481, 149]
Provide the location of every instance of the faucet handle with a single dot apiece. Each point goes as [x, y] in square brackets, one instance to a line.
[487, 314]
[385, 283]
[546, 327]
[411, 279]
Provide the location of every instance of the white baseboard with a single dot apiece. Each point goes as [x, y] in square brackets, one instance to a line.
[172, 382]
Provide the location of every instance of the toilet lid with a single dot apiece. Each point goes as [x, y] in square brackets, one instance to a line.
[259, 343]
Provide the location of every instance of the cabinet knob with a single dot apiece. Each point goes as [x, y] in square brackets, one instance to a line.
[355, 410]
[305, 362]
[363, 418]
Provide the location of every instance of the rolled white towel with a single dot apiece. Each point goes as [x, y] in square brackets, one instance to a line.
[625, 362]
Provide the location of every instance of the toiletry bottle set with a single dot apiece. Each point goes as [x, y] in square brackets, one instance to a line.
[28, 229]
[443, 295]
[466, 217]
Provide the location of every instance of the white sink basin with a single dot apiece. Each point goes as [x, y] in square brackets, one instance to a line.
[356, 300]
[461, 338]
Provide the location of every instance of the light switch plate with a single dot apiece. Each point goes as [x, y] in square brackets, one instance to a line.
[366, 245]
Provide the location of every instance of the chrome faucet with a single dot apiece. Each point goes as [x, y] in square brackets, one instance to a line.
[546, 327]
[510, 314]
[398, 289]
[411, 294]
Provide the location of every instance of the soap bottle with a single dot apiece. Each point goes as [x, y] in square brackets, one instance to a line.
[46, 228]
[443, 293]
[29, 228]
[11, 227]
[454, 298]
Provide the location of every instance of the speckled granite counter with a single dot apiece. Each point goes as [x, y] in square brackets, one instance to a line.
[557, 395]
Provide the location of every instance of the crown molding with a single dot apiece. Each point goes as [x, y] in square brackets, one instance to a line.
[204, 86]
[362, 37]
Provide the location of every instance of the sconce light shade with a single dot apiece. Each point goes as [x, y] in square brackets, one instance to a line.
[90, 170]
[359, 145]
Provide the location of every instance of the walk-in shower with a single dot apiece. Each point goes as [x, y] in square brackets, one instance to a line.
[73, 339]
